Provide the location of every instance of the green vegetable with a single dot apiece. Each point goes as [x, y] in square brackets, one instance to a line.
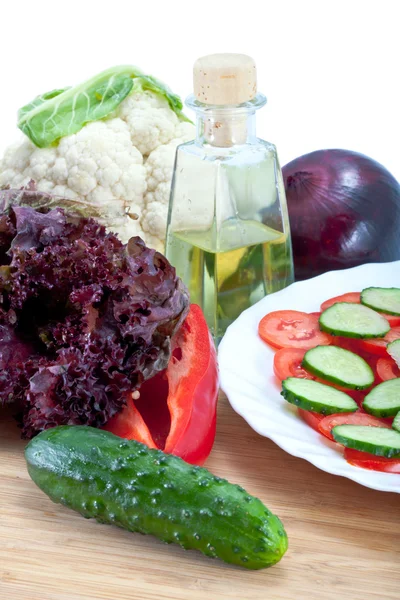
[384, 399]
[393, 348]
[383, 299]
[59, 113]
[317, 397]
[339, 366]
[39, 100]
[396, 422]
[354, 321]
[127, 484]
[375, 440]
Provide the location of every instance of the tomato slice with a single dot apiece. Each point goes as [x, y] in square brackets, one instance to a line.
[311, 418]
[352, 297]
[378, 346]
[347, 344]
[354, 345]
[372, 462]
[358, 418]
[287, 363]
[394, 320]
[292, 329]
[387, 369]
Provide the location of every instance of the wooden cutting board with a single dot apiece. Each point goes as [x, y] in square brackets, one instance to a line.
[344, 539]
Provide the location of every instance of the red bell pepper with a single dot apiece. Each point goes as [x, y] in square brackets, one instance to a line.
[176, 410]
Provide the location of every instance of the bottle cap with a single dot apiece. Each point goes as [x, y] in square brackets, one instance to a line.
[223, 79]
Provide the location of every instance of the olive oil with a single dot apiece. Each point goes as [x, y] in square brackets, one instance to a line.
[250, 261]
[228, 231]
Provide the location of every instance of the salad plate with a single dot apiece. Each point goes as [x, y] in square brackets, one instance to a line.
[248, 380]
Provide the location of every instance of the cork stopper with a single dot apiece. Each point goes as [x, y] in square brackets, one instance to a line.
[224, 79]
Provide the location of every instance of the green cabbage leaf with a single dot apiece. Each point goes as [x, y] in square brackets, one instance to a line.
[56, 114]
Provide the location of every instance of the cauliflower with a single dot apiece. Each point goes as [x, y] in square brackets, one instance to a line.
[158, 176]
[122, 163]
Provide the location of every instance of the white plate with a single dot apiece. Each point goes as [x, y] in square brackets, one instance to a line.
[247, 378]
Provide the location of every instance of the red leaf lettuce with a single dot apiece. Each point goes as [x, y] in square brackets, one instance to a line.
[84, 319]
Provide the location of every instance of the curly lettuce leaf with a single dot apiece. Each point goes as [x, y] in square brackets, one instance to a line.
[14, 354]
[56, 114]
[84, 319]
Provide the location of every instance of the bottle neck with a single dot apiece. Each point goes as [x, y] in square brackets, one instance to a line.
[225, 130]
[226, 126]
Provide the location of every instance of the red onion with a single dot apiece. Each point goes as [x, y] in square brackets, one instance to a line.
[344, 211]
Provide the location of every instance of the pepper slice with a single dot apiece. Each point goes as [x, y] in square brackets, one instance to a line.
[176, 410]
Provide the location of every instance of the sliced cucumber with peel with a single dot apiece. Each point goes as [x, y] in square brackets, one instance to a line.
[393, 349]
[339, 366]
[384, 399]
[396, 422]
[354, 321]
[385, 300]
[375, 440]
[317, 397]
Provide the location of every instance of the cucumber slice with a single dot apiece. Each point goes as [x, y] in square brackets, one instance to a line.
[396, 422]
[318, 397]
[384, 399]
[376, 440]
[393, 348]
[339, 366]
[383, 299]
[353, 320]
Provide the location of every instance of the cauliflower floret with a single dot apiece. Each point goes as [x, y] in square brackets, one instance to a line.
[122, 165]
[159, 168]
[150, 120]
[15, 162]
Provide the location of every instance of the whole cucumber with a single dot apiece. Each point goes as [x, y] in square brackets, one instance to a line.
[124, 483]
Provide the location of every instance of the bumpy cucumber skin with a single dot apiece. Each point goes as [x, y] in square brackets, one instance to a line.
[124, 483]
[350, 334]
[363, 446]
[364, 300]
[311, 369]
[305, 404]
[396, 422]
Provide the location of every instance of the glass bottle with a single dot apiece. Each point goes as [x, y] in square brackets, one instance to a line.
[228, 230]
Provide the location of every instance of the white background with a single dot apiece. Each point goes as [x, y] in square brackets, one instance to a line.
[330, 68]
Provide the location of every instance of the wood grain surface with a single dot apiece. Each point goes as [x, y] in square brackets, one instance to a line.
[344, 539]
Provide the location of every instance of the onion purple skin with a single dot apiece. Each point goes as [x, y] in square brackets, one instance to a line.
[344, 211]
